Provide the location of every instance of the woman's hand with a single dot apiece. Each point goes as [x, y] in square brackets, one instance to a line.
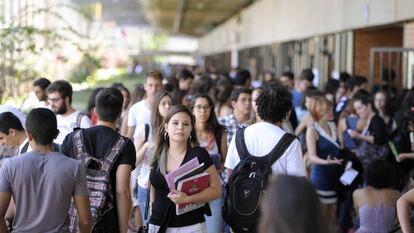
[148, 145]
[178, 197]
[330, 161]
[353, 133]
[400, 157]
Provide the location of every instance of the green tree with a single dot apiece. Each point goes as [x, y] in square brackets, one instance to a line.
[22, 44]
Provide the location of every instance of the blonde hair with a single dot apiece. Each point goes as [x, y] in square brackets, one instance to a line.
[318, 106]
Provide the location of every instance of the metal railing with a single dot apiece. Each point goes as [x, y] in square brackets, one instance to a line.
[390, 59]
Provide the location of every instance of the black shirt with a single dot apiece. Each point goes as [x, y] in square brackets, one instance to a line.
[161, 201]
[402, 142]
[378, 129]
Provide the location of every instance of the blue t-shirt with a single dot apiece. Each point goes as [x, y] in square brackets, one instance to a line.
[296, 97]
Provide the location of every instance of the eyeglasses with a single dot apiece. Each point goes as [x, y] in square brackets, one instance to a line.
[200, 107]
[54, 99]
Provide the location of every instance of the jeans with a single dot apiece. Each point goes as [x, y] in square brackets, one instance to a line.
[142, 197]
[214, 222]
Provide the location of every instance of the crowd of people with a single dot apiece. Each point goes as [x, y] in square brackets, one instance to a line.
[348, 168]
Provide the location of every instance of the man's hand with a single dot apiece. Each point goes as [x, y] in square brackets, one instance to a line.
[4, 205]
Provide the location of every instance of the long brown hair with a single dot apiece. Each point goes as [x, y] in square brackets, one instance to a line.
[212, 123]
[156, 120]
[162, 143]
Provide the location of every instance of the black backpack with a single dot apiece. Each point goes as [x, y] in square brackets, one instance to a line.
[241, 206]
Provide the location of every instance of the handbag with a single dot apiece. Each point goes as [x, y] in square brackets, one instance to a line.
[143, 228]
[368, 152]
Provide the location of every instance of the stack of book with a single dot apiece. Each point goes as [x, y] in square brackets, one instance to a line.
[189, 178]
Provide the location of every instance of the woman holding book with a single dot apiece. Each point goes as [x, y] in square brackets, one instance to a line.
[372, 140]
[175, 146]
[212, 137]
[144, 141]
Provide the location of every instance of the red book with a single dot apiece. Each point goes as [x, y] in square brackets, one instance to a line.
[193, 172]
[190, 186]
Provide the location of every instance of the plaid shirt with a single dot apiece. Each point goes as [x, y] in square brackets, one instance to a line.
[231, 125]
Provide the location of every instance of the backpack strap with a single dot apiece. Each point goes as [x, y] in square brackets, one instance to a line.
[241, 144]
[280, 147]
[56, 147]
[147, 129]
[78, 144]
[113, 154]
[24, 148]
[79, 120]
[218, 134]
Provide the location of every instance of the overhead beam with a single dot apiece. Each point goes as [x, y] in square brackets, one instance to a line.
[179, 16]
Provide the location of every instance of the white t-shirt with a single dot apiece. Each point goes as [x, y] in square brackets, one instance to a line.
[29, 148]
[139, 114]
[260, 139]
[144, 171]
[43, 104]
[68, 123]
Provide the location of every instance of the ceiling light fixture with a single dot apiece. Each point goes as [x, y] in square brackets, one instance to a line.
[200, 6]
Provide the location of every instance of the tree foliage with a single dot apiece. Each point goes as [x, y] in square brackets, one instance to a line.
[23, 44]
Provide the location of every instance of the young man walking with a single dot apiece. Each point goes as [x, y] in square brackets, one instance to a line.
[140, 113]
[43, 183]
[12, 132]
[39, 87]
[59, 96]
[109, 159]
[273, 106]
[241, 101]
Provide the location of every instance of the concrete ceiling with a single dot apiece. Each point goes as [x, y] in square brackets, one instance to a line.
[191, 17]
[185, 17]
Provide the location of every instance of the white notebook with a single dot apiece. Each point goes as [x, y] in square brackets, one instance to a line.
[348, 176]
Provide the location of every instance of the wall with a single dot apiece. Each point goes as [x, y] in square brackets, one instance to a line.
[364, 40]
[409, 43]
[409, 35]
[272, 21]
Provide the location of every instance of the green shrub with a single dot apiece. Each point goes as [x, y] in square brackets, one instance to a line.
[86, 67]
